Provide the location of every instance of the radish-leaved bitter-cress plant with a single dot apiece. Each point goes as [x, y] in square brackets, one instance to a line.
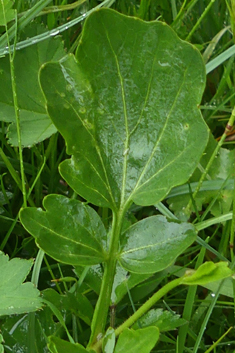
[126, 105]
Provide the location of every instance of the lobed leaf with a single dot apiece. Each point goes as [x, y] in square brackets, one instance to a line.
[127, 106]
[17, 297]
[68, 230]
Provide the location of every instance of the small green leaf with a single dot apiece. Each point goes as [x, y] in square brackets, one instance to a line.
[206, 273]
[133, 341]
[17, 297]
[164, 320]
[154, 243]
[57, 345]
[109, 341]
[225, 289]
[6, 7]
[68, 230]
[129, 123]
[34, 121]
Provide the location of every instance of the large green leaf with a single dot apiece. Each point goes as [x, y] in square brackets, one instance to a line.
[34, 121]
[127, 106]
[153, 244]
[17, 297]
[68, 230]
[142, 340]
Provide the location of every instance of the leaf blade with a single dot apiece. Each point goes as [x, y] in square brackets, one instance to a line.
[17, 297]
[152, 244]
[68, 230]
[122, 117]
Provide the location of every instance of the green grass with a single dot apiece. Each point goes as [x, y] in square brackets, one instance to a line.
[29, 174]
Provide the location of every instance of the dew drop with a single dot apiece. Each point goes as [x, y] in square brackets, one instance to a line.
[54, 33]
[62, 95]
[163, 64]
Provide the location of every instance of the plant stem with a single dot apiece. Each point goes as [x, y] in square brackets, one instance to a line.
[143, 309]
[103, 303]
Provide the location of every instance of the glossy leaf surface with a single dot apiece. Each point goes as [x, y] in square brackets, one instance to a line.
[35, 123]
[132, 125]
[17, 297]
[142, 340]
[68, 230]
[153, 244]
